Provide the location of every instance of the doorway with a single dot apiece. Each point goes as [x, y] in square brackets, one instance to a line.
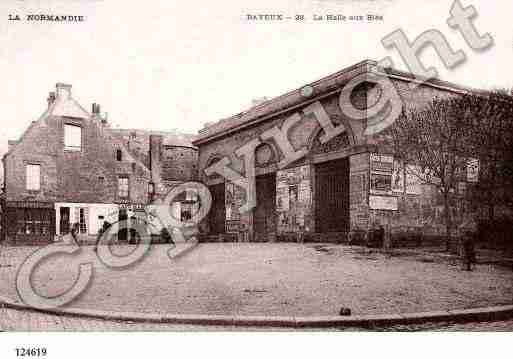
[332, 196]
[217, 214]
[122, 230]
[64, 220]
[264, 215]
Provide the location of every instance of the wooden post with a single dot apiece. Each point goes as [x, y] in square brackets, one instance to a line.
[387, 238]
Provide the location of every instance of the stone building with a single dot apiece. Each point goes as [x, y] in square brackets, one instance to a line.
[339, 181]
[70, 166]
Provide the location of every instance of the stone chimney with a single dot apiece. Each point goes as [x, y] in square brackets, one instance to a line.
[51, 98]
[63, 90]
[95, 110]
[155, 157]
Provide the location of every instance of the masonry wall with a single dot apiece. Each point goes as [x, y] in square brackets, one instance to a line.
[88, 176]
[415, 211]
[421, 211]
[179, 163]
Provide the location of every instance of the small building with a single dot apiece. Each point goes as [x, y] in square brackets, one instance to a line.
[334, 186]
[70, 166]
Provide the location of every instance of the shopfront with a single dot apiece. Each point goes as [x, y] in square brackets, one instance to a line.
[29, 221]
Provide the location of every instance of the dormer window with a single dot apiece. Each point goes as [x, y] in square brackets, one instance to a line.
[72, 137]
[119, 155]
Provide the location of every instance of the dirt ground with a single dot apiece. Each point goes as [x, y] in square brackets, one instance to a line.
[269, 279]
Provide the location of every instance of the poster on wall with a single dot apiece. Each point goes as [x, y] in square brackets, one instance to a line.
[381, 183]
[381, 168]
[412, 181]
[473, 170]
[233, 201]
[282, 199]
[381, 163]
[304, 192]
[383, 203]
[398, 177]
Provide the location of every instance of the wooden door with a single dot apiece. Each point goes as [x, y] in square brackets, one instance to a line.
[217, 214]
[332, 196]
[264, 215]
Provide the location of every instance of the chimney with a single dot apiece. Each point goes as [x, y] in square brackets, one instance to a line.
[63, 90]
[155, 152]
[95, 109]
[51, 98]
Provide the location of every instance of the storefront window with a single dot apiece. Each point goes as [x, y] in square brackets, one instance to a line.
[30, 221]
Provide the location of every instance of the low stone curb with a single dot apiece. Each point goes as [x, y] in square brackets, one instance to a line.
[362, 321]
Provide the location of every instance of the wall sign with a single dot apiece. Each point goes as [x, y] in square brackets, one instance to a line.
[381, 169]
[383, 203]
[28, 204]
[381, 163]
[132, 206]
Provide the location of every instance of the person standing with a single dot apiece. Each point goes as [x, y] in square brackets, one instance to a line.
[74, 232]
[468, 244]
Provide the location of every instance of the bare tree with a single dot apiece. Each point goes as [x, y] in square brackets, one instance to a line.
[434, 140]
[491, 142]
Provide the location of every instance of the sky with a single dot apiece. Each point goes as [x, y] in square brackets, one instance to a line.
[163, 65]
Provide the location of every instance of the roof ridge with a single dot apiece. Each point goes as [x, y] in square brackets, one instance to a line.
[324, 84]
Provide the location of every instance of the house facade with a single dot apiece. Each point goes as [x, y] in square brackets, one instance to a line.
[70, 166]
[317, 173]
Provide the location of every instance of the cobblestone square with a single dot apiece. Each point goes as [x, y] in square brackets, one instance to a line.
[274, 279]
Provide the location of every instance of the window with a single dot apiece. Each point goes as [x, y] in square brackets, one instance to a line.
[72, 138]
[82, 221]
[33, 174]
[123, 187]
[119, 155]
[30, 221]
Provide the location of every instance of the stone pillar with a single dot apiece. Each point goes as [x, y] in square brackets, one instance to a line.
[359, 192]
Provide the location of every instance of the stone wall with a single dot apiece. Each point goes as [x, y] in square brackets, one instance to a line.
[421, 210]
[88, 176]
[179, 163]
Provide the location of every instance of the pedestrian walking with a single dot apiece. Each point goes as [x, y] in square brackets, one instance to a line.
[74, 232]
